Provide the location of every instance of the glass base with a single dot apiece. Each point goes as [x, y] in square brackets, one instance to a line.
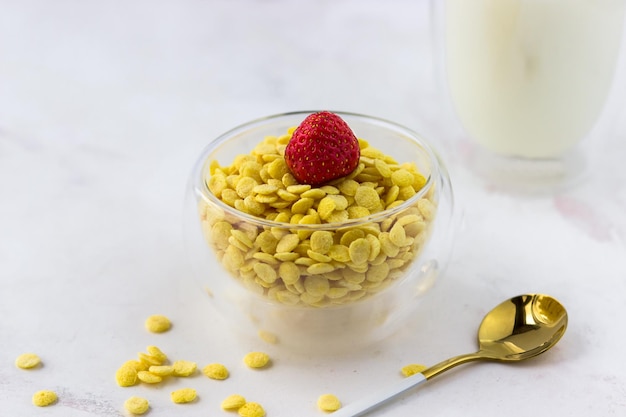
[527, 175]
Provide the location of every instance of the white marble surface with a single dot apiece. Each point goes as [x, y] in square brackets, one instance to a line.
[104, 107]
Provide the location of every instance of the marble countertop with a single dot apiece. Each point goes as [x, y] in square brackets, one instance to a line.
[104, 108]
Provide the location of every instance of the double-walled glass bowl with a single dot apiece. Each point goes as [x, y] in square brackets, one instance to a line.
[310, 285]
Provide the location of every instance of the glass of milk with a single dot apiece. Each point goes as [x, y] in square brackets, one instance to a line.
[528, 79]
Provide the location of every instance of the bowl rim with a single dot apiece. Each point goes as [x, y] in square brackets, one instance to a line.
[200, 187]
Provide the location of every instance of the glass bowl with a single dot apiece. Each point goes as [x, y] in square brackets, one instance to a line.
[311, 286]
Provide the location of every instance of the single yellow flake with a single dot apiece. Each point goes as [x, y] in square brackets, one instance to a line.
[44, 398]
[149, 360]
[328, 402]
[158, 323]
[251, 410]
[268, 337]
[184, 368]
[136, 405]
[233, 402]
[183, 395]
[148, 377]
[412, 369]
[256, 359]
[137, 365]
[215, 371]
[126, 376]
[27, 361]
[156, 353]
[161, 370]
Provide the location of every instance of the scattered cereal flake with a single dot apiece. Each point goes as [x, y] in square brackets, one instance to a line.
[158, 323]
[149, 377]
[136, 405]
[233, 402]
[328, 402]
[27, 361]
[183, 395]
[126, 376]
[215, 371]
[156, 353]
[412, 369]
[149, 360]
[139, 366]
[251, 409]
[256, 359]
[184, 368]
[44, 398]
[268, 337]
[161, 370]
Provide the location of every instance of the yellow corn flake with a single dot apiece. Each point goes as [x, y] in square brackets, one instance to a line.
[326, 207]
[426, 208]
[314, 193]
[289, 272]
[339, 253]
[126, 376]
[215, 371]
[278, 168]
[419, 181]
[302, 205]
[268, 337]
[233, 402]
[321, 241]
[298, 188]
[287, 243]
[265, 272]
[377, 273]
[251, 409]
[149, 360]
[351, 235]
[136, 405]
[412, 369]
[397, 235]
[402, 177]
[356, 212]
[367, 197]
[348, 187]
[338, 216]
[137, 365]
[158, 323]
[316, 285]
[155, 352]
[148, 377]
[27, 361]
[184, 368]
[44, 398]
[328, 402]
[359, 251]
[183, 395]
[161, 370]
[245, 186]
[256, 359]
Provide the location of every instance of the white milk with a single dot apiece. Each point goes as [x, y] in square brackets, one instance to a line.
[529, 78]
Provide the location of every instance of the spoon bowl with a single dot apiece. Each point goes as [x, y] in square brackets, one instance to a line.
[517, 329]
[522, 327]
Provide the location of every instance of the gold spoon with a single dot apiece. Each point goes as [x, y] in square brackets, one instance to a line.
[518, 329]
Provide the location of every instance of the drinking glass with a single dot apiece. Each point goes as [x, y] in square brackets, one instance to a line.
[528, 81]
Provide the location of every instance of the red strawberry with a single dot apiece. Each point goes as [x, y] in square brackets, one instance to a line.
[321, 149]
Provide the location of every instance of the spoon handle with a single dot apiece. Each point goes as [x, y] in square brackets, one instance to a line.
[366, 404]
[451, 363]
